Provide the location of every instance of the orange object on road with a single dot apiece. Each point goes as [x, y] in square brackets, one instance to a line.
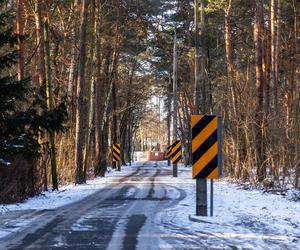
[155, 156]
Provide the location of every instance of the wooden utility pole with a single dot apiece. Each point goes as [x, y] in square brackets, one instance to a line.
[169, 114]
[175, 94]
[199, 95]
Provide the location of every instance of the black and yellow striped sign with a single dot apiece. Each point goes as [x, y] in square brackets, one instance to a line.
[116, 152]
[169, 151]
[176, 151]
[206, 146]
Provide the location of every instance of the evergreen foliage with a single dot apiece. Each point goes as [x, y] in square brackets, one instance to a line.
[20, 126]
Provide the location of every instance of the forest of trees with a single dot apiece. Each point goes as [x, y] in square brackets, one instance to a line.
[86, 69]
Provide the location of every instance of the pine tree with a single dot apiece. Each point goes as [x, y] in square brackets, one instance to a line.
[13, 138]
[21, 120]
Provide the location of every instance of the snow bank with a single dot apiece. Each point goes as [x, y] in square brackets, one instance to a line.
[245, 218]
[67, 194]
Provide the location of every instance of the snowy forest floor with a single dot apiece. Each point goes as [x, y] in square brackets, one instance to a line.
[242, 218]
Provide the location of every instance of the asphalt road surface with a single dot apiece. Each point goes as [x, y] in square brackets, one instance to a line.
[120, 216]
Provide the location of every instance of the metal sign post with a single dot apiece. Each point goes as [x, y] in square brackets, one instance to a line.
[168, 152]
[211, 197]
[207, 157]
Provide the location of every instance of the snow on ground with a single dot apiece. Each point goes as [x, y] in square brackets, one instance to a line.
[246, 218]
[13, 217]
[67, 194]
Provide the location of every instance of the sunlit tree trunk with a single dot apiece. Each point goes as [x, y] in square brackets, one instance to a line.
[258, 42]
[50, 104]
[297, 80]
[273, 46]
[277, 44]
[99, 99]
[229, 56]
[41, 72]
[20, 31]
[81, 99]
[40, 41]
[90, 84]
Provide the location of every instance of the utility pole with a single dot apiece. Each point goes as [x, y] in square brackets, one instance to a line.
[175, 94]
[169, 114]
[199, 95]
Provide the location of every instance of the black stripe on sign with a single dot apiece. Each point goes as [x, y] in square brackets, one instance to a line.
[175, 144]
[209, 168]
[201, 125]
[175, 153]
[177, 160]
[116, 152]
[117, 146]
[206, 145]
[115, 158]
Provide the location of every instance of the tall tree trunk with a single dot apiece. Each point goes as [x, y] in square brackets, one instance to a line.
[99, 93]
[277, 41]
[90, 85]
[115, 102]
[50, 104]
[297, 77]
[40, 41]
[115, 128]
[81, 99]
[20, 32]
[273, 48]
[73, 72]
[268, 61]
[203, 58]
[73, 55]
[41, 74]
[229, 57]
[258, 41]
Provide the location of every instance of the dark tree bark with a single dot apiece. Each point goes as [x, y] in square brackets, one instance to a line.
[81, 99]
[20, 32]
[40, 41]
[258, 41]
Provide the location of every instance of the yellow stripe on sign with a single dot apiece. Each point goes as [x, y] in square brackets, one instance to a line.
[205, 159]
[204, 134]
[116, 149]
[116, 156]
[196, 119]
[177, 156]
[214, 174]
[176, 147]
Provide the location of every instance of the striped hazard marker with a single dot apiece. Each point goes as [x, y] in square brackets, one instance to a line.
[169, 151]
[206, 146]
[116, 152]
[176, 151]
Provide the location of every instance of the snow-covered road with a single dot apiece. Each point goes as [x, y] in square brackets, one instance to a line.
[144, 207]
